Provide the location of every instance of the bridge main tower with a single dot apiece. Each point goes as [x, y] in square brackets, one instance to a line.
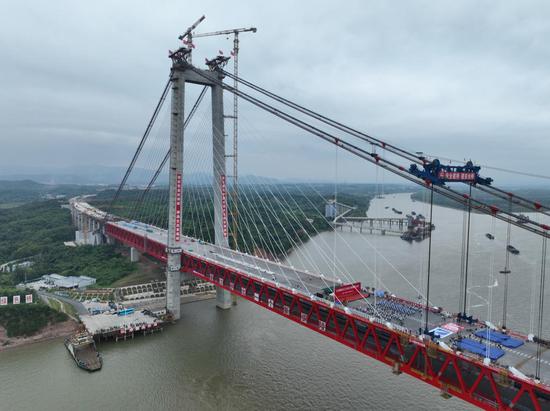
[182, 73]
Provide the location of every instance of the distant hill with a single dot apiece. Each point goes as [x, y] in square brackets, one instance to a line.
[23, 191]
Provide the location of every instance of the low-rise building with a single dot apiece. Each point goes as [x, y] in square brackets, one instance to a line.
[59, 281]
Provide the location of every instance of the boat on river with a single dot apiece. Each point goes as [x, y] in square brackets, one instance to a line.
[82, 348]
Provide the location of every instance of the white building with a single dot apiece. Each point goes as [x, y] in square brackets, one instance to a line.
[60, 281]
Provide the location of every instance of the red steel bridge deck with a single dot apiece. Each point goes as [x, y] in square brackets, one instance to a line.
[370, 325]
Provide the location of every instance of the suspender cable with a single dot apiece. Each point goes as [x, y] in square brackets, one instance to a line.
[541, 307]
[506, 271]
[465, 291]
[141, 143]
[461, 309]
[429, 262]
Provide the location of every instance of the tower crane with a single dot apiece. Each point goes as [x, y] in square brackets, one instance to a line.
[235, 53]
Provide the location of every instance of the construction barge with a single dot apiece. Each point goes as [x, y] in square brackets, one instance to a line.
[82, 348]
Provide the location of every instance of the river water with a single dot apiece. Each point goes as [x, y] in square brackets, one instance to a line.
[247, 358]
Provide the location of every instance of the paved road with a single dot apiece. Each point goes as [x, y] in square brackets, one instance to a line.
[78, 306]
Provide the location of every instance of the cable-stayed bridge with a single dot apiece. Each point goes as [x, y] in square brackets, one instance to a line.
[237, 243]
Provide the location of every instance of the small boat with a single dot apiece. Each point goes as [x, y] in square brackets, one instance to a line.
[490, 236]
[512, 249]
[82, 348]
[387, 207]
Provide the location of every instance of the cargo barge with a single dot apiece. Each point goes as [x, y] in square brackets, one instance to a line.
[82, 348]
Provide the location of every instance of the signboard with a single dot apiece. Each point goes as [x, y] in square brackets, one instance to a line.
[348, 292]
[456, 175]
[16, 299]
[3, 300]
[224, 205]
[178, 207]
[28, 299]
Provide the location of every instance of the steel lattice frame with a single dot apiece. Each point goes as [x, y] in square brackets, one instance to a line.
[482, 385]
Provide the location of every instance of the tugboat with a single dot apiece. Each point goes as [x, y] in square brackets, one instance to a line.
[490, 236]
[512, 249]
[82, 348]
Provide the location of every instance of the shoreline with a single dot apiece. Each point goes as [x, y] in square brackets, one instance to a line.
[50, 332]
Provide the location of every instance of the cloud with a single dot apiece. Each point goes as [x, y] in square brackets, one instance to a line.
[463, 79]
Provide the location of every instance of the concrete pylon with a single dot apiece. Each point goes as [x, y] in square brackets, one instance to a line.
[223, 297]
[173, 263]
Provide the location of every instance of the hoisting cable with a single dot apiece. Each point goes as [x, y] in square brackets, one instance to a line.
[167, 156]
[429, 261]
[141, 143]
[541, 307]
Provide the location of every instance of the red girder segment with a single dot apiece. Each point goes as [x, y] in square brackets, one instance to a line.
[484, 386]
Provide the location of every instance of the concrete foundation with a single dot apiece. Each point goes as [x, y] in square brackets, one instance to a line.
[134, 255]
[173, 296]
[224, 299]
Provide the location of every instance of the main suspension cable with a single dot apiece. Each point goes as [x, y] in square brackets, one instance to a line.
[540, 229]
[533, 205]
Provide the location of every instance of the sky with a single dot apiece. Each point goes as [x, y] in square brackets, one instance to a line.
[461, 80]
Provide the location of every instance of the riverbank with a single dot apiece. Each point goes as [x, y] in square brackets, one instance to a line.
[50, 332]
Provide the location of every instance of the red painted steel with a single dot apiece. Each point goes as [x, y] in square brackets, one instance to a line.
[483, 385]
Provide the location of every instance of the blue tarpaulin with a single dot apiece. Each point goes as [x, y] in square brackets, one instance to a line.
[499, 338]
[467, 344]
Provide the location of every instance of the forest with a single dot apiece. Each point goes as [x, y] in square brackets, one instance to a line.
[272, 218]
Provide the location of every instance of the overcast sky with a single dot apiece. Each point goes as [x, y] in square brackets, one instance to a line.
[466, 79]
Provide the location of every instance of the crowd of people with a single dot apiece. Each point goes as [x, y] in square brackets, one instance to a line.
[389, 310]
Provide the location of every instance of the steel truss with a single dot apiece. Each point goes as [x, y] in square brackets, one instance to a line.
[482, 385]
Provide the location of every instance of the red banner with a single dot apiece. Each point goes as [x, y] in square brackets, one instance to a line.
[348, 292]
[224, 205]
[178, 207]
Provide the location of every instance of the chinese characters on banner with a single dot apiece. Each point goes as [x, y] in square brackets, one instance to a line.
[16, 299]
[178, 207]
[224, 205]
[457, 176]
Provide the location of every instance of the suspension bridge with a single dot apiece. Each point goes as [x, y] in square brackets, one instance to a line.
[232, 239]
